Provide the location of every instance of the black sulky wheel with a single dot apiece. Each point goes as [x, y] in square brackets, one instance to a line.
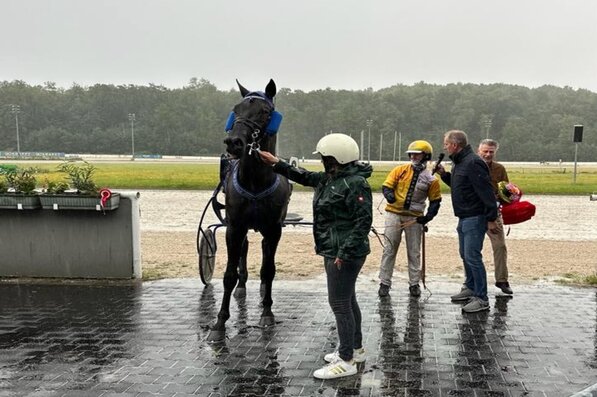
[207, 255]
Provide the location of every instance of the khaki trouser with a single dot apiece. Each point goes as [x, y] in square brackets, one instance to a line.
[393, 237]
[500, 252]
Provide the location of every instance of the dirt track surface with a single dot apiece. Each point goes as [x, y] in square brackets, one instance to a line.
[174, 254]
[560, 239]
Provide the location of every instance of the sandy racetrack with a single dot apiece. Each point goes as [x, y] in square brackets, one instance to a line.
[174, 254]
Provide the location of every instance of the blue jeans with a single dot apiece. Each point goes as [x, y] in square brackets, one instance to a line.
[471, 233]
[343, 301]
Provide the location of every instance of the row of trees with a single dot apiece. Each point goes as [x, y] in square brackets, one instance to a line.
[531, 124]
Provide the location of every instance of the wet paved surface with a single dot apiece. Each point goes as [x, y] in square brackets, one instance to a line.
[148, 339]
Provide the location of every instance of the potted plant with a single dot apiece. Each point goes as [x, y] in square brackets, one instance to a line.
[83, 193]
[17, 189]
[80, 177]
[52, 187]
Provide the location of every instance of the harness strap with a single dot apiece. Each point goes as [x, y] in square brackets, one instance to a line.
[260, 95]
[251, 196]
[411, 188]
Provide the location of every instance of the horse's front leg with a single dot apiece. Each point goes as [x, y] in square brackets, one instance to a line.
[233, 237]
[269, 245]
[243, 273]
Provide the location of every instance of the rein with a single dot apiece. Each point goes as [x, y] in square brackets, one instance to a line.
[400, 226]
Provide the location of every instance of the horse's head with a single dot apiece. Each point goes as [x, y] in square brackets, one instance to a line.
[249, 127]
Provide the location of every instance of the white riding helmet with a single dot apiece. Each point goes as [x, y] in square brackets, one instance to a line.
[339, 146]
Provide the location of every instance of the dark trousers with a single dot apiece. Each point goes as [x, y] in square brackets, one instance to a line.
[343, 301]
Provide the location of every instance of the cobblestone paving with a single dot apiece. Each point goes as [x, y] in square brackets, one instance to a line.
[148, 339]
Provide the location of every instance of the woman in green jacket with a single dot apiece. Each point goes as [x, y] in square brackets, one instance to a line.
[342, 217]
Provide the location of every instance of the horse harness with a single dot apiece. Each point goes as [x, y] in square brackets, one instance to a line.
[259, 130]
[254, 198]
[249, 195]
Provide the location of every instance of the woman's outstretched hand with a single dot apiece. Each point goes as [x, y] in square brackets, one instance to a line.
[268, 158]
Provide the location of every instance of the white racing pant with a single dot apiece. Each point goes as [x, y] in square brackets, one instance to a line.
[393, 237]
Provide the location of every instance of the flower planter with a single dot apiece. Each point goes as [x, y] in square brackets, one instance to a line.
[19, 201]
[78, 202]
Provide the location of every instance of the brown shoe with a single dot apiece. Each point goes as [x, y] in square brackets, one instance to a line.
[505, 287]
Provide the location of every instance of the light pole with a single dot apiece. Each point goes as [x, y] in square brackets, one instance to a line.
[16, 109]
[132, 120]
[369, 123]
[394, 153]
[361, 149]
[487, 124]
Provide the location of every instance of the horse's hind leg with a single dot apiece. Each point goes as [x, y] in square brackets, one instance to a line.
[269, 245]
[243, 273]
[233, 236]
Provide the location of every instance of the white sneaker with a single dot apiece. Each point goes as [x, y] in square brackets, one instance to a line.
[358, 356]
[337, 369]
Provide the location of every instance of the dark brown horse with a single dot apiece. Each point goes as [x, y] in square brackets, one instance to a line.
[256, 198]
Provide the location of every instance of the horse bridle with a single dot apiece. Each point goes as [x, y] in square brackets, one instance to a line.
[254, 146]
[256, 135]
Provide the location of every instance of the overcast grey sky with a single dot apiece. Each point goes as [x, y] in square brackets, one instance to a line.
[302, 44]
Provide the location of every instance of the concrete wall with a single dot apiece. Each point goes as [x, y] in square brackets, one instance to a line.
[71, 243]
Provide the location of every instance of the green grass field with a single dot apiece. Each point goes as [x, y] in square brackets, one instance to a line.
[532, 180]
[200, 176]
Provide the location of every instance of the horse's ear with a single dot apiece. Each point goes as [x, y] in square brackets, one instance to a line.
[270, 89]
[243, 90]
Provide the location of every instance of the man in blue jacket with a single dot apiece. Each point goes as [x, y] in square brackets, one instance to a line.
[474, 204]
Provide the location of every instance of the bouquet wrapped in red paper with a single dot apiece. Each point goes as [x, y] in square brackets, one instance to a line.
[513, 210]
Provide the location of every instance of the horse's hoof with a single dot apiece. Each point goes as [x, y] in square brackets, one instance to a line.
[240, 293]
[267, 321]
[216, 336]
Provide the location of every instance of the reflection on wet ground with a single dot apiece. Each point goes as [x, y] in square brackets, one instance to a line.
[56, 337]
[150, 340]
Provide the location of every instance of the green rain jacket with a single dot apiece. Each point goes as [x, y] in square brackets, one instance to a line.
[342, 208]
